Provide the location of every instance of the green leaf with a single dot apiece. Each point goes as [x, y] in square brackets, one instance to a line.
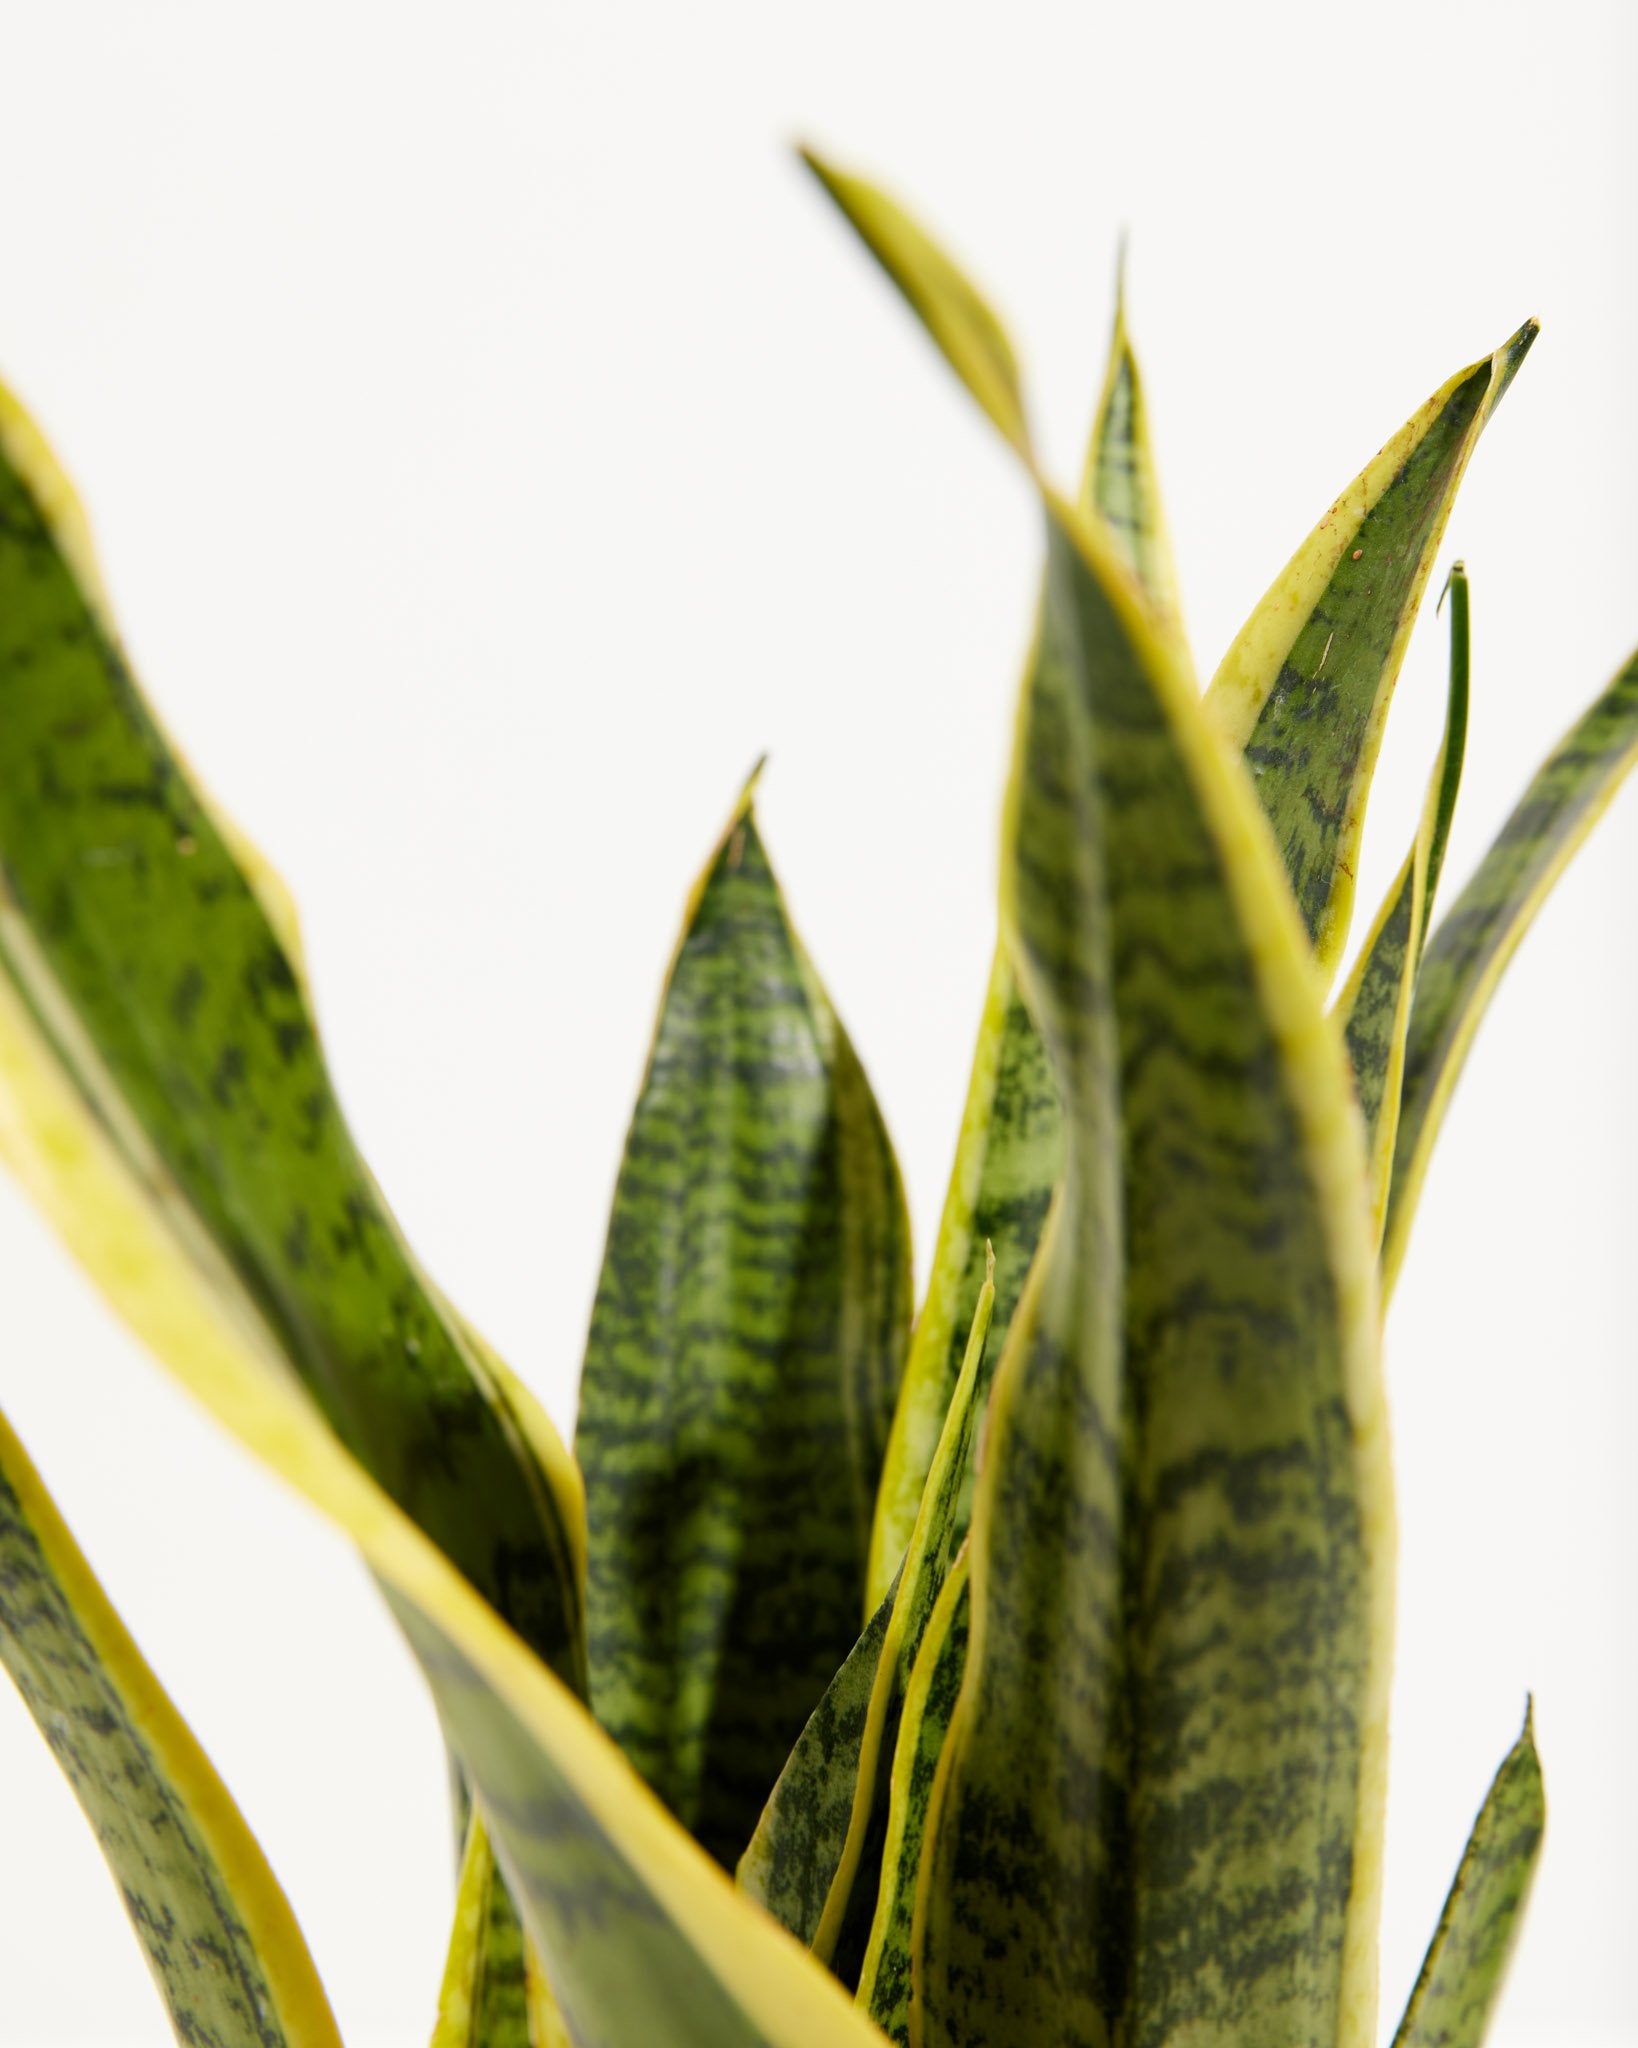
[959, 322]
[640, 1934]
[885, 1981]
[157, 956]
[1008, 1159]
[1178, 1580]
[484, 1999]
[1010, 1152]
[815, 1859]
[1120, 482]
[745, 1354]
[220, 1939]
[1471, 947]
[1375, 1004]
[1304, 691]
[1467, 1959]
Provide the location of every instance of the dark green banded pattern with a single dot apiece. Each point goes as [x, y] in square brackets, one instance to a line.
[1375, 1005]
[1461, 1978]
[745, 1353]
[1010, 1153]
[1304, 691]
[1172, 1585]
[221, 1942]
[1470, 948]
[131, 929]
[886, 1987]
[484, 1999]
[815, 1860]
[791, 1864]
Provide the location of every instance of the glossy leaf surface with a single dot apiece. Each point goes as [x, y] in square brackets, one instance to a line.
[219, 1937]
[1176, 1548]
[1375, 1004]
[1304, 691]
[1470, 948]
[744, 1359]
[1461, 1977]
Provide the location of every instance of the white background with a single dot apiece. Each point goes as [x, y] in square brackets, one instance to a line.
[494, 445]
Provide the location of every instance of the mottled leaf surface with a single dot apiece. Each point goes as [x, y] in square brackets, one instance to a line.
[1375, 1004]
[220, 1940]
[1472, 945]
[1466, 1961]
[156, 958]
[886, 1989]
[815, 1859]
[745, 1353]
[640, 1934]
[1010, 1152]
[1304, 691]
[800, 1840]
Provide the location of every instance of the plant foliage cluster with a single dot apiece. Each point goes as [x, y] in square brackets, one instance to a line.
[1008, 1678]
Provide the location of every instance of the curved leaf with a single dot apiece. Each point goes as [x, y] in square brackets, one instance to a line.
[1469, 951]
[745, 1354]
[1466, 1961]
[1375, 1004]
[885, 1982]
[219, 1936]
[1304, 690]
[640, 1934]
[1178, 1578]
[159, 968]
[815, 1859]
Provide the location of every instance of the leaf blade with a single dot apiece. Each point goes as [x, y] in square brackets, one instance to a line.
[1472, 946]
[219, 1937]
[1461, 1975]
[1305, 688]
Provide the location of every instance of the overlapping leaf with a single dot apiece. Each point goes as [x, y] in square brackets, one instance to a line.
[217, 1932]
[1177, 1579]
[640, 1935]
[816, 1857]
[1375, 1004]
[1009, 1155]
[1470, 949]
[744, 1359]
[1304, 691]
[1466, 1961]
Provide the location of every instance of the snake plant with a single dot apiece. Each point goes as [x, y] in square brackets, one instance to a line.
[1008, 1678]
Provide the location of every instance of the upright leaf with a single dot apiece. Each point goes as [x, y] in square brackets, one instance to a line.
[1375, 1004]
[219, 1937]
[1304, 691]
[815, 1858]
[641, 1936]
[885, 1981]
[1466, 1961]
[1471, 947]
[1177, 1586]
[483, 2000]
[1010, 1152]
[745, 1354]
